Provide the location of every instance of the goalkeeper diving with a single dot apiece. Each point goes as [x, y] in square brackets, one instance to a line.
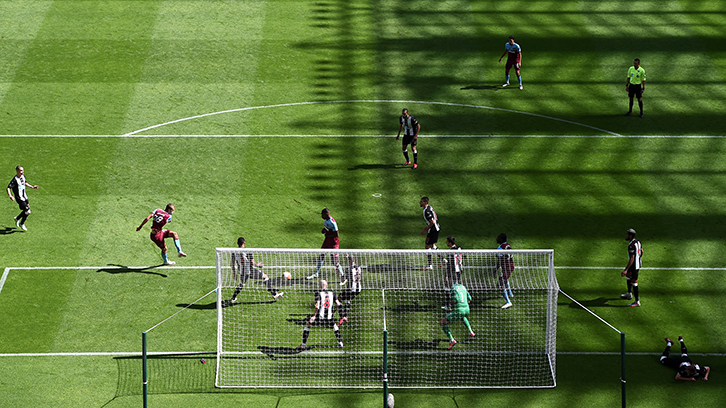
[460, 298]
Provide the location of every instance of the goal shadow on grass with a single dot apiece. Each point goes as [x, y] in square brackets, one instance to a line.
[598, 302]
[115, 269]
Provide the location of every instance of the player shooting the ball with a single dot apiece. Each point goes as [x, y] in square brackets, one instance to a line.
[248, 268]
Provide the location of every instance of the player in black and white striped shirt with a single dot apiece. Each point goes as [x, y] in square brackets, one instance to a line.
[16, 192]
[324, 316]
[432, 228]
[347, 296]
[635, 253]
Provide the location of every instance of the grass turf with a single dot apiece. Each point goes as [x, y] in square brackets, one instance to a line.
[105, 67]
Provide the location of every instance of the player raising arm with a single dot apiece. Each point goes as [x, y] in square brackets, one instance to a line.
[161, 218]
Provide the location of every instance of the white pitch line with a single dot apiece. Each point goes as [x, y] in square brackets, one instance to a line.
[182, 353]
[461, 105]
[606, 136]
[109, 353]
[111, 267]
[4, 278]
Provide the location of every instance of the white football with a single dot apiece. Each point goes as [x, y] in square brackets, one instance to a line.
[391, 401]
[286, 275]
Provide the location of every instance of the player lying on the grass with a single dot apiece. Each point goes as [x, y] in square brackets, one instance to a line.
[158, 233]
[505, 263]
[17, 188]
[348, 294]
[324, 314]
[332, 241]
[247, 267]
[460, 298]
[454, 266]
[687, 369]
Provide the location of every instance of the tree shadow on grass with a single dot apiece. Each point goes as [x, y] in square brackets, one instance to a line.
[377, 166]
[494, 87]
[115, 269]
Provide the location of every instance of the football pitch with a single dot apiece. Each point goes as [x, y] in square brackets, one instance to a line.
[251, 116]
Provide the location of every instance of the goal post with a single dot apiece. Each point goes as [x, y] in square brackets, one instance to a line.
[259, 334]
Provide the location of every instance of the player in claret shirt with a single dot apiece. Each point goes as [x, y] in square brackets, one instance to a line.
[158, 233]
[330, 230]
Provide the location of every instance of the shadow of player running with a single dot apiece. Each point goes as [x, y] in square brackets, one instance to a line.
[114, 269]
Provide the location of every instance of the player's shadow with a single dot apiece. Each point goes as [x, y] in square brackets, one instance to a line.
[299, 321]
[377, 166]
[494, 87]
[599, 302]
[421, 344]
[8, 230]
[199, 306]
[114, 269]
[273, 352]
[227, 303]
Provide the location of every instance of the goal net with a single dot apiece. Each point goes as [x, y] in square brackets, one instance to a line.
[263, 323]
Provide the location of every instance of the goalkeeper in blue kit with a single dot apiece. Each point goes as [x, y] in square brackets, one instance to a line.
[460, 298]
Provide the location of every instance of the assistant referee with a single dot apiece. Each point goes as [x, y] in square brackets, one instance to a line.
[635, 86]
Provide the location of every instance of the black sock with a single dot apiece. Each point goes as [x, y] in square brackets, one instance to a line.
[635, 293]
[631, 106]
[405, 154]
[428, 257]
[684, 350]
[306, 333]
[20, 216]
[667, 351]
[630, 286]
[415, 157]
[337, 335]
[270, 289]
[238, 290]
[640, 105]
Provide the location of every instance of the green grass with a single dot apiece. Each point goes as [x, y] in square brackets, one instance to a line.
[115, 67]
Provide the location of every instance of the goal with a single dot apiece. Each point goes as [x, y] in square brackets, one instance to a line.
[259, 335]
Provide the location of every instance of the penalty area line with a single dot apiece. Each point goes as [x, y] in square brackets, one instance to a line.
[605, 136]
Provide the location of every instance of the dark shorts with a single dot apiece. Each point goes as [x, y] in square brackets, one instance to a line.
[331, 243]
[635, 90]
[157, 236]
[409, 140]
[348, 295]
[23, 205]
[507, 269]
[432, 237]
[675, 362]
[632, 274]
[255, 274]
[453, 277]
[511, 62]
[326, 323]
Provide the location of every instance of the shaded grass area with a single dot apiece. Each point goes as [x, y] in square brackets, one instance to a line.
[112, 67]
